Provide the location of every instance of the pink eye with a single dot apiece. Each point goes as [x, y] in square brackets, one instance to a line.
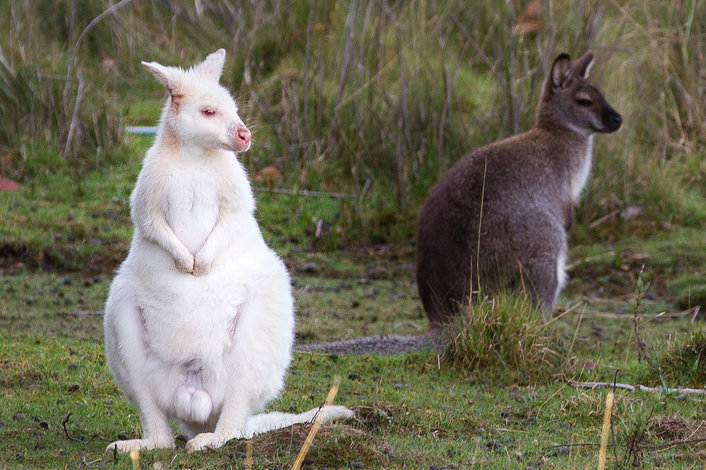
[208, 112]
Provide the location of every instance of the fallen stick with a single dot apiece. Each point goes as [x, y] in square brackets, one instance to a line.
[693, 312]
[592, 385]
[302, 192]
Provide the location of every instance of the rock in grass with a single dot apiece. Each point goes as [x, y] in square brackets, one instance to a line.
[493, 444]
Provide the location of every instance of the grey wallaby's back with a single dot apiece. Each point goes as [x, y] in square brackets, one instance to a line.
[497, 220]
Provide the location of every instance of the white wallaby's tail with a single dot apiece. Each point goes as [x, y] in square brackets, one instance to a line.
[266, 422]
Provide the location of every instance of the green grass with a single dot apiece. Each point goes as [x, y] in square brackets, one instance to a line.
[412, 410]
[505, 331]
[410, 414]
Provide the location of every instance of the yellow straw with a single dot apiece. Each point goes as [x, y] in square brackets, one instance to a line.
[248, 455]
[135, 457]
[606, 429]
[317, 424]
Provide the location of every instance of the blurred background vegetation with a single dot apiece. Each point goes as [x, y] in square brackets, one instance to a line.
[372, 98]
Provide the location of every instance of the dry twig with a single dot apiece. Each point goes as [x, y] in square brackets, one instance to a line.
[632, 388]
[66, 431]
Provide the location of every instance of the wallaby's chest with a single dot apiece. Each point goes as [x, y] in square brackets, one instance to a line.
[579, 174]
[191, 205]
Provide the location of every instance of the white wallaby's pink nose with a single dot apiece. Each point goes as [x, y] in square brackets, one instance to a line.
[242, 139]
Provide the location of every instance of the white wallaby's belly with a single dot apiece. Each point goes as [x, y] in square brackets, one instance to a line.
[188, 318]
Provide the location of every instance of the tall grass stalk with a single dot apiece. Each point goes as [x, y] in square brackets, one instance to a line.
[605, 429]
[44, 99]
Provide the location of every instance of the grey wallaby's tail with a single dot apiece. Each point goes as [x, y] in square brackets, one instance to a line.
[387, 345]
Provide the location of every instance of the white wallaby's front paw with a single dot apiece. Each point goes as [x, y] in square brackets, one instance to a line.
[139, 444]
[184, 262]
[202, 263]
[207, 440]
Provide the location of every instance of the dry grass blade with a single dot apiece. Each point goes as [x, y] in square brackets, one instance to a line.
[605, 430]
[135, 458]
[248, 455]
[317, 424]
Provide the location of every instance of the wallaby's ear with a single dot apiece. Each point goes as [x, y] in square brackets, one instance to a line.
[212, 67]
[583, 65]
[166, 75]
[561, 72]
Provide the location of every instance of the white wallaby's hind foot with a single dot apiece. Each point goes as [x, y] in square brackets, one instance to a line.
[138, 445]
[208, 440]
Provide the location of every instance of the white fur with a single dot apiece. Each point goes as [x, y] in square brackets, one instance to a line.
[199, 319]
[265, 422]
[561, 276]
[580, 177]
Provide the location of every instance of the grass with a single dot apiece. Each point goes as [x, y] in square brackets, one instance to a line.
[505, 331]
[375, 100]
[412, 410]
[410, 413]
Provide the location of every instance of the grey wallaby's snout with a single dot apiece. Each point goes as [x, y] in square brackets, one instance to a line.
[613, 120]
[609, 119]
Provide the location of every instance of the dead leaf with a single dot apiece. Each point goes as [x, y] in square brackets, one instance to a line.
[528, 20]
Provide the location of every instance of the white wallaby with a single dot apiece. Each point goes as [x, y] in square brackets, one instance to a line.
[199, 320]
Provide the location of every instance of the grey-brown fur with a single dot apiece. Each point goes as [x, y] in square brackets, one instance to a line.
[385, 345]
[498, 218]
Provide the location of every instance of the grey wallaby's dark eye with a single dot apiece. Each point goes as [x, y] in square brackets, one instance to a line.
[584, 102]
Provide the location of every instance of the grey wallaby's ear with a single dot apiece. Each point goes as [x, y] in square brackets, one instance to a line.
[212, 67]
[582, 66]
[561, 72]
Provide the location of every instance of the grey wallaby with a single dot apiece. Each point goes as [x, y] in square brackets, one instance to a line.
[498, 219]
